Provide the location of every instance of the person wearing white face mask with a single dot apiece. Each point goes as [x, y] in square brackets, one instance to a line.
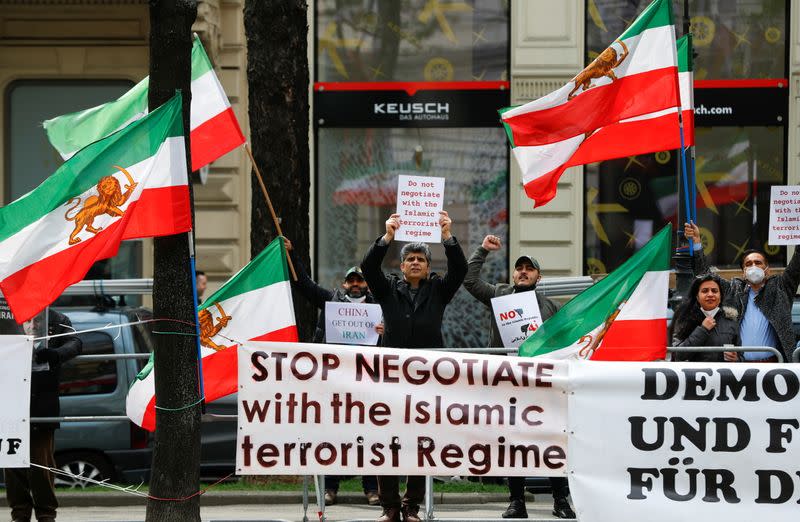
[763, 301]
[703, 321]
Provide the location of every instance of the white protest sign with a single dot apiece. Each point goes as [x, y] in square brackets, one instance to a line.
[419, 201]
[684, 441]
[352, 323]
[784, 215]
[15, 386]
[307, 409]
[517, 316]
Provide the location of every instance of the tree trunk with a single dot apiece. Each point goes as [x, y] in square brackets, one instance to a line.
[176, 455]
[277, 75]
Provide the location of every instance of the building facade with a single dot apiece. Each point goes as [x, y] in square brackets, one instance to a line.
[412, 87]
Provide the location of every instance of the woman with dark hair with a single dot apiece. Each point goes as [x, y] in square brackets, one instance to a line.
[702, 321]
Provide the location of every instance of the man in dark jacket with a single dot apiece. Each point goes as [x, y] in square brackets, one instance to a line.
[763, 302]
[353, 290]
[31, 490]
[525, 277]
[413, 307]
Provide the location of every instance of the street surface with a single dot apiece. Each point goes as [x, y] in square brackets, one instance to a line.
[537, 510]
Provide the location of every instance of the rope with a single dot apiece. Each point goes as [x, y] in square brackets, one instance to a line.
[130, 490]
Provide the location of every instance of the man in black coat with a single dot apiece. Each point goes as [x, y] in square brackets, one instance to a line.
[413, 307]
[524, 279]
[31, 490]
[354, 289]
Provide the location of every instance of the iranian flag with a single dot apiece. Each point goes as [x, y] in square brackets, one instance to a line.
[254, 305]
[634, 82]
[623, 317]
[132, 184]
[214, 128]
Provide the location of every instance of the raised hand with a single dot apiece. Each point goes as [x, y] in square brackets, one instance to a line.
[445, 222]
[491, 243]
[392, 224]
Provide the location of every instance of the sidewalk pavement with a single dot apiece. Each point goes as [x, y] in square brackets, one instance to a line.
[287, 506]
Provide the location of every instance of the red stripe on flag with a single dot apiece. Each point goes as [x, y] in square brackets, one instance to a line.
[627, 97]
[634, 340]
[156, 209]
[288, 334]
[29, 290]
[214, 138]
[149, 417]
[614, 141]
[220, 373]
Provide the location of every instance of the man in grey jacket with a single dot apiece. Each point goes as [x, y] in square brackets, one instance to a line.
[525, 277]
[763, 301]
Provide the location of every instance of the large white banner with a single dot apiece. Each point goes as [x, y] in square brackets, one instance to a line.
[667, 442]
[337, 410]
[15, 387]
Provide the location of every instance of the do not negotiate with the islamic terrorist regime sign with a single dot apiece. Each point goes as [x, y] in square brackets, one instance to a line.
[309, 409]
[419, 201]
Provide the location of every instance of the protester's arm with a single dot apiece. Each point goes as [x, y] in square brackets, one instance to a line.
[60, 349]
[790, 277]
[480, 289]
[456, 262]
[314, 293]
[700, 265]
[371, 265]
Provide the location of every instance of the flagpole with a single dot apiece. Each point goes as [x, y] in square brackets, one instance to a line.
[269, 204]
[200, 380]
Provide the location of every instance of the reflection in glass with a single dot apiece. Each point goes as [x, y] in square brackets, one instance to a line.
[412, 40]
[629, 199]
[356, 192]
[733, 39]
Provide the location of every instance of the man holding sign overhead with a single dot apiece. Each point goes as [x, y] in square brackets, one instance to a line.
[413, 306]
[525, 277]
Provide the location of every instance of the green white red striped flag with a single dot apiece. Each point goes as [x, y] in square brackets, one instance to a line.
[634, 81]
[132, 184]
[254, 305]
[623, 317]
[214, 130]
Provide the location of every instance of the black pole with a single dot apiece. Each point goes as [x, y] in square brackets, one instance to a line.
[684, 263]
[686, 21]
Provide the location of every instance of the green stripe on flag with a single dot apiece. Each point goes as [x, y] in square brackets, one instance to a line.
[71, 132]
[200, 62]
[657, 14]
[506, 126]
[591, 307]
[267, 268]
[685, 58]
[131, 145]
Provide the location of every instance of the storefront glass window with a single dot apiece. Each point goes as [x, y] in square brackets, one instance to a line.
[733, 39]
[740, 153]
[412, 40]
[356, 192]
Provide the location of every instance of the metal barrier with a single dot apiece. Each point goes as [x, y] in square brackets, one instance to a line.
[717, 349]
